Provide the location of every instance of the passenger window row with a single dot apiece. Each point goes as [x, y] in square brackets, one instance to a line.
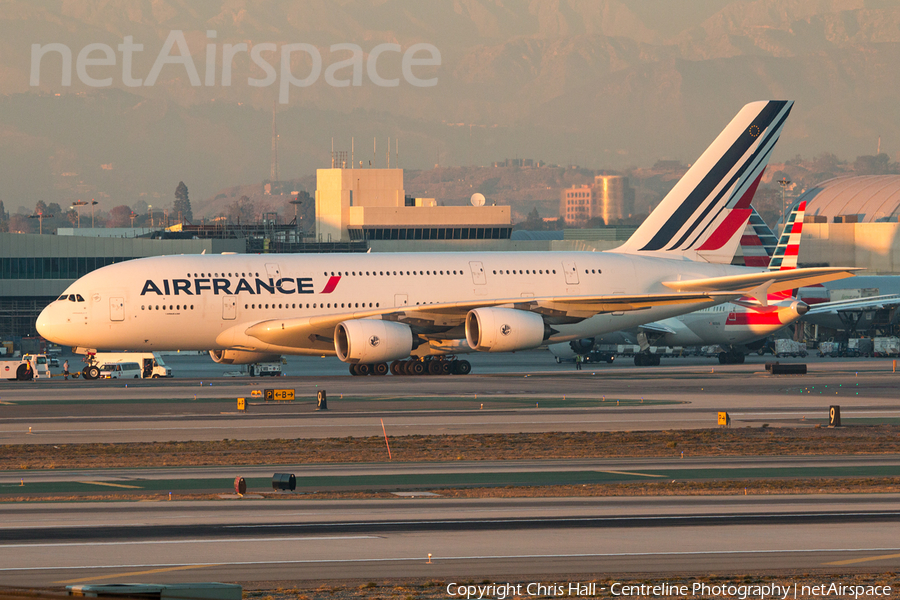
[387, 273]
[314, 305]
[170, 307]
[525, 272]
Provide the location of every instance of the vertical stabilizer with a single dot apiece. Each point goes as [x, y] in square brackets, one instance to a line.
[703, 216]
[788, 250]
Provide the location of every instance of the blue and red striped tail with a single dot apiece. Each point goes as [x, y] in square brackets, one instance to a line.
[703, 216]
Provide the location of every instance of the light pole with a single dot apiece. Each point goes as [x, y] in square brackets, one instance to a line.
[296, 202]
[76, 205]
[783, 182]
[40, 218]
[150, 211]
[133, 215]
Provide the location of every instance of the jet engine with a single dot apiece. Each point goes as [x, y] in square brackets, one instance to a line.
[503, 329]
[240, 357]
[582, 346]
[371, 341]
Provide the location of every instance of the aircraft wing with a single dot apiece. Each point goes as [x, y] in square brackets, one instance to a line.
[436, 318]
[870, 303]
[780, 280]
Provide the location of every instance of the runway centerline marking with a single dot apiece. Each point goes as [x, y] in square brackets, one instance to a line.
[862, 560]
[435, 558]
[134, 573]
[630, 473]
[118, 485]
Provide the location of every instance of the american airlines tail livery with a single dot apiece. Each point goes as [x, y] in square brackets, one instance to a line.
[421, 310]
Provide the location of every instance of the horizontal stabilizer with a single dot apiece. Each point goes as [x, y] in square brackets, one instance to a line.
[869, 303]
[781, 280]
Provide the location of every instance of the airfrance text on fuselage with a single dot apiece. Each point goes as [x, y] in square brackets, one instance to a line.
[187, 287]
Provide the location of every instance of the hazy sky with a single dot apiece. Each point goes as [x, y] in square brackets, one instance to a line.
[120, 101]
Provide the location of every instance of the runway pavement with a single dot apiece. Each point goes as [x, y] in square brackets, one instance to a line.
[246, 540]
[260, 541]
[684, 394]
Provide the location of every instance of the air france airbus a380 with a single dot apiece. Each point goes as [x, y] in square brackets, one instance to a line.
[370, 309]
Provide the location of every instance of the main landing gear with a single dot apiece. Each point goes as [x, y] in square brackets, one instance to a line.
[644, 359]
[429, 366]
[731, 358]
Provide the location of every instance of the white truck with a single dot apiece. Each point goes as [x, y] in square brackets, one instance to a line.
[265, 369]
[151, 363]
[30, 366]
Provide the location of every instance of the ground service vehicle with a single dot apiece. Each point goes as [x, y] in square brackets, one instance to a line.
[120, 370]
[30, 366]
[151, 363]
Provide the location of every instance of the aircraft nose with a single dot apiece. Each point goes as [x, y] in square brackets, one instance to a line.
[49, 324]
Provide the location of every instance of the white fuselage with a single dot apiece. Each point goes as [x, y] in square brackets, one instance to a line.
[199, 302]
[724, 324]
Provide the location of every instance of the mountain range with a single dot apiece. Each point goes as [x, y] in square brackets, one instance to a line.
[597, 83]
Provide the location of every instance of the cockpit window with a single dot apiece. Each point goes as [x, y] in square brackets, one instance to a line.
[63, 297]
[79, 298]
[72, 298]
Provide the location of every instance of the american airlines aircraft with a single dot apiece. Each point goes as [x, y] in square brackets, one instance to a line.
[371, 309]
[730, 325]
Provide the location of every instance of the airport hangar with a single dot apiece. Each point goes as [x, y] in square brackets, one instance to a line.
[851, 221]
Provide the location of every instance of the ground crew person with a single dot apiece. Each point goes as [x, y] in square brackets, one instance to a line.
[66, 369]
[578, 359]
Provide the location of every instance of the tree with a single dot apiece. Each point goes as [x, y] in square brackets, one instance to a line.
[120, 216]
[183, 203]
[241, 211]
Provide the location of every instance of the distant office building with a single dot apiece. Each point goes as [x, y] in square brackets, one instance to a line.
[527, 163]
[371, 204]
[610, 198]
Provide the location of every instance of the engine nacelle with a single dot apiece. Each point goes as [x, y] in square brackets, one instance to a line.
[503, 329]
[371, 341]
[240, 357]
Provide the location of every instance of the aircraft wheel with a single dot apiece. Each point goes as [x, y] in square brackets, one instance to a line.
[462, 367]
[723, 358]
[364, 369]
[654, 360]
[397, 368]
[434, 367]
[417, 368]
[446, 367]
[639, 360]
[91, 372]
[353, 370]
[379, 369]
[252, 371]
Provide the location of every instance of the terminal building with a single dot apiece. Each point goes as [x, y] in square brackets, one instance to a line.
[35, 269]
[853, 222]
[371, 204]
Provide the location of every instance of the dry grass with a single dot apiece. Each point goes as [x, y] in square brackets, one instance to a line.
[875, 439]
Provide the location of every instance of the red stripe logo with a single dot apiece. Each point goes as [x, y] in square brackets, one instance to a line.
[332, 283]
